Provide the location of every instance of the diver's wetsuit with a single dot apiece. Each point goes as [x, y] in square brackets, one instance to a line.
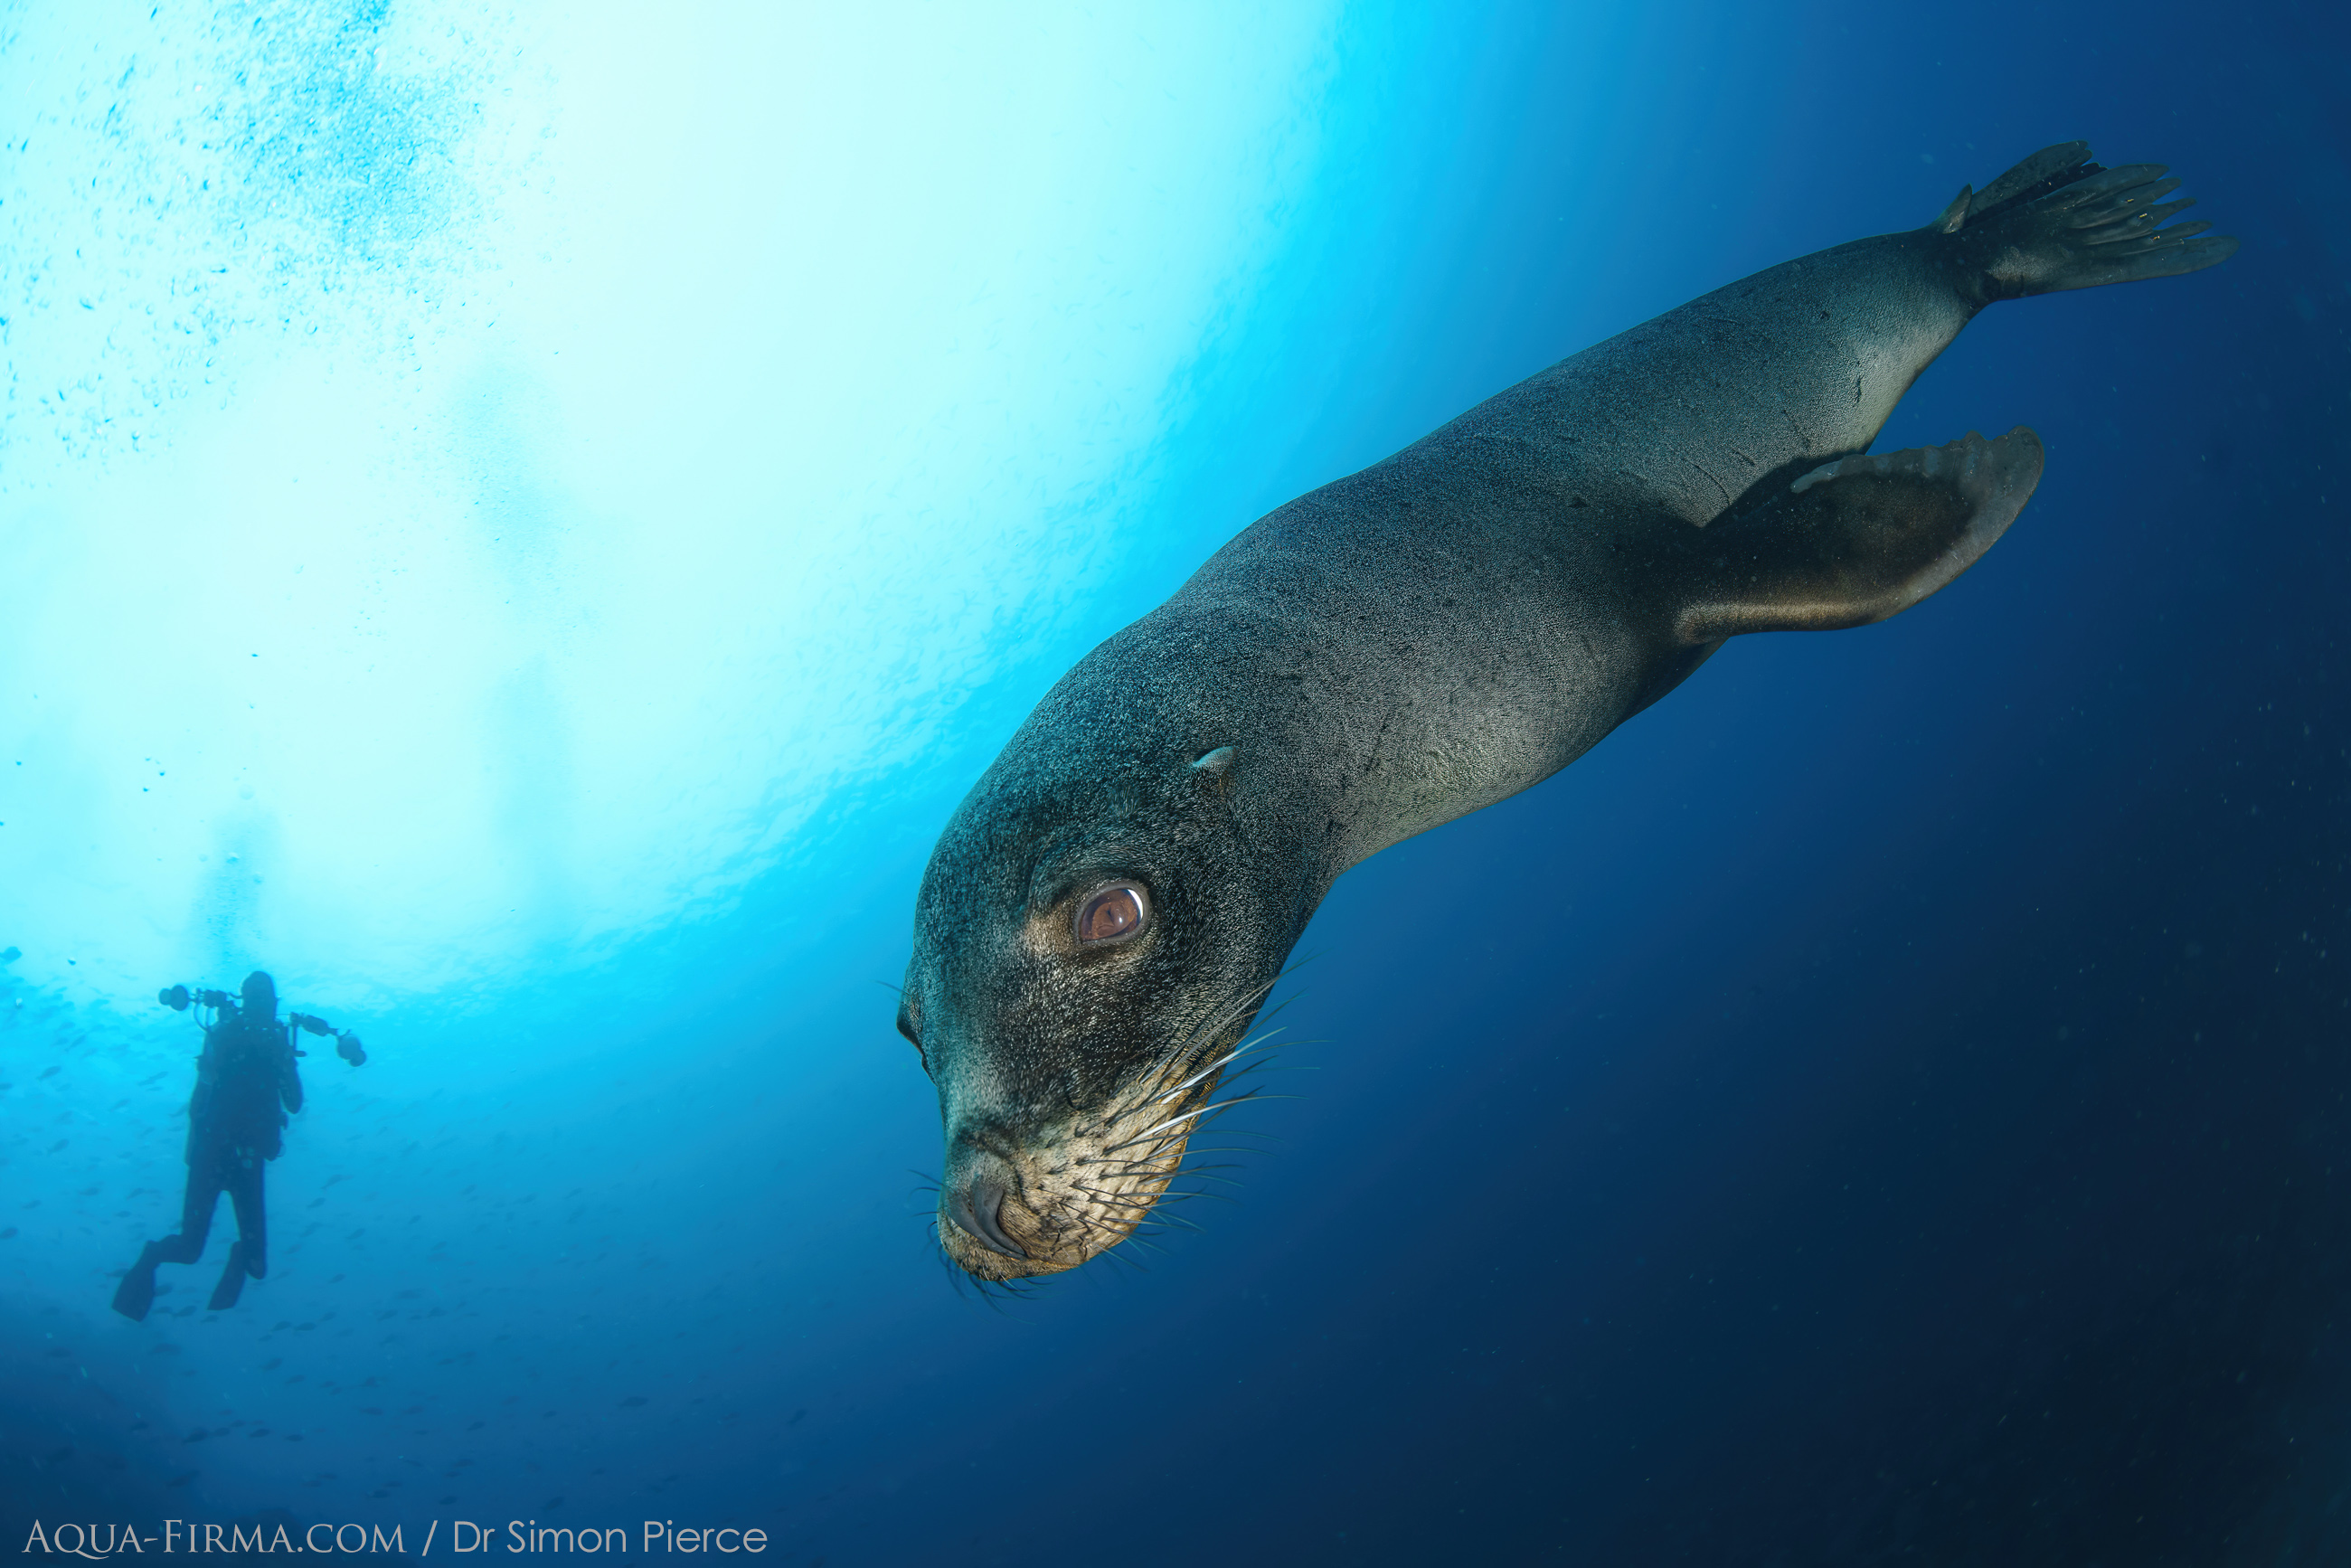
[246, 1081]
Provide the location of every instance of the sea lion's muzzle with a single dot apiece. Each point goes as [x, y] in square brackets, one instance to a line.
[1020, 1202]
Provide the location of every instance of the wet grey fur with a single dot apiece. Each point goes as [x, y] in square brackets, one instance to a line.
[1443, 630]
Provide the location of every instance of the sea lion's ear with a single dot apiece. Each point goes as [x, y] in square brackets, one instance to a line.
[1217, 767]
[1956, 213]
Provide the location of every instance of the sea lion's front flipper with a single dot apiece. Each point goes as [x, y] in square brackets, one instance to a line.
[1858, 540]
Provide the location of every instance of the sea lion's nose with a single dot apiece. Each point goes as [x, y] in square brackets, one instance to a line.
[976, 1206]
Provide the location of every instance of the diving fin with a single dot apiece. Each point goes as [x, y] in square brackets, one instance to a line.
[136, 1294]
[232, 1282]
[1857, 539]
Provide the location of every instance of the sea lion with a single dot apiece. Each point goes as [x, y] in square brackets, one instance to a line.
[1109, 906]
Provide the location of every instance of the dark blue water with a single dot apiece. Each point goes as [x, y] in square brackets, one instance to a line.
[1915, 1130]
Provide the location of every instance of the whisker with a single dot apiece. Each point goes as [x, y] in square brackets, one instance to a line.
[1107, 1201]
[1181, 1117]
[1190, 1041]
[1214, 1025]
[1211, 1111]
[1220, 1197]
[1227, 1060]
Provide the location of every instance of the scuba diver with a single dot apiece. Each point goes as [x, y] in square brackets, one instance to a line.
[247, 1083]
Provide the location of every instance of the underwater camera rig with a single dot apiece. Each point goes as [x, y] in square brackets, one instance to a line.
[178, 999]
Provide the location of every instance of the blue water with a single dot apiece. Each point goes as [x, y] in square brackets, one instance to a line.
[524, 524]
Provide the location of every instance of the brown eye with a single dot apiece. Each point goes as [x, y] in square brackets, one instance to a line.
[1112, 914]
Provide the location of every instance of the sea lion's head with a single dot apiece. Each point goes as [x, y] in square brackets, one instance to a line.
[1094, 935]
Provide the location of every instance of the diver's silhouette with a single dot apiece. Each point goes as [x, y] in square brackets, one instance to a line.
[247, 1083]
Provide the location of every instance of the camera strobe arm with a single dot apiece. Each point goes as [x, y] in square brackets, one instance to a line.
[347, 1045]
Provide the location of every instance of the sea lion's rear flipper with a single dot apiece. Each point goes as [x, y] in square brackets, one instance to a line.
[2059, 221]
[1858, 540]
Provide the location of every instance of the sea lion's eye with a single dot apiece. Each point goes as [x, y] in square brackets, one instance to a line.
[1112, 914]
